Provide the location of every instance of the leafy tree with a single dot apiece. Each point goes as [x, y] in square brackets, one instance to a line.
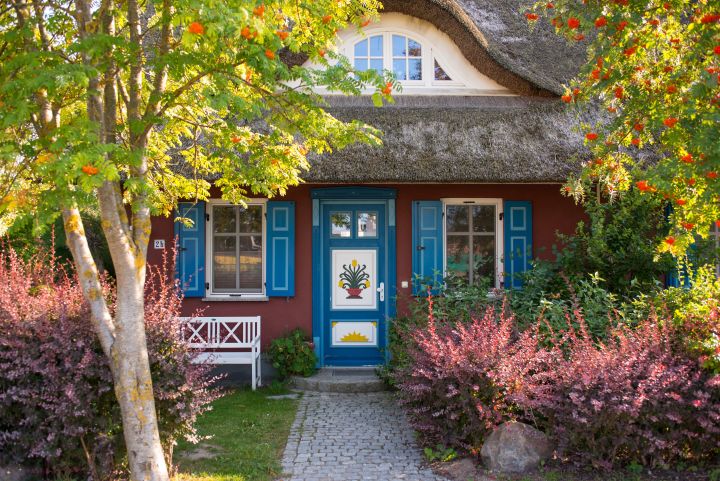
[654, 66]
[131, 105]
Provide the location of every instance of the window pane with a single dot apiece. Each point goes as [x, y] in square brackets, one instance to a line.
[360, 64]
[458, 255]
[458, 218]
[398, 43]
[415, 69]
[251, 263]
[377, 64]
[399, 69]
[376, 46]
[224, 262]
[367, 224]
[440, 73]
[251, 219]
[484, 258]
[361, 48]
[484, 218]
[340, 224]
[414, 49]
[224, 219]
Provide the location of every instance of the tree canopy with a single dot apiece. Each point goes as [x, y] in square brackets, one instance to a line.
[202, 90]
[654, 69]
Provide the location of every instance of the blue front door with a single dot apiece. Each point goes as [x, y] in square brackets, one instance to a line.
[354, 283]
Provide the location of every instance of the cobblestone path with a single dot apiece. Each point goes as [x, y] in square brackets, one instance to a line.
[352, 437]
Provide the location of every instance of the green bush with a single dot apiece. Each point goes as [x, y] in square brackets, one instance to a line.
[559, 300]
[618, 244]
[695, 311]
[293, 355]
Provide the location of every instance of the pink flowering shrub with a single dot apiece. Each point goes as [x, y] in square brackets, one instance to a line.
[57, 405]
[633, 398]
[629, 399]
[458, 383]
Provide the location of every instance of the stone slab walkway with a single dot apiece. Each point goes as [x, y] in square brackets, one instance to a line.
[352, 437]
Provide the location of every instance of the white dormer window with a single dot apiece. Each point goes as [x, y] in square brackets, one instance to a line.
[423, 59]
[400, 54]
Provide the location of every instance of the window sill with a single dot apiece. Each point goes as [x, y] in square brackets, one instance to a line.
[236, 298]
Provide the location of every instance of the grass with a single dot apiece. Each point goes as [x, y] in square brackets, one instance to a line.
[248, 432]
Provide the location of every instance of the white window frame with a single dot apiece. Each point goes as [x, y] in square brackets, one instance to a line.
[427, 57]
[499, 232]
[466, 79]
[209, 291]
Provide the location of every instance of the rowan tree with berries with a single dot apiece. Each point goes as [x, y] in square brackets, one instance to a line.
[654, 67]
[130, 106]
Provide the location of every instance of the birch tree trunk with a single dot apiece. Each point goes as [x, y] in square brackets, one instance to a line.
[122, 337]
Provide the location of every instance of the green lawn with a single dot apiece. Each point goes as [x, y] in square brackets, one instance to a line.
[248, 433]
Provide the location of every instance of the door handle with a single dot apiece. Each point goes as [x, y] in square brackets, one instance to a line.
[381, 290]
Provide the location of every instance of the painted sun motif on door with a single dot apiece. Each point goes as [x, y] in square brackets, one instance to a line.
[354, 276]
[354, 333]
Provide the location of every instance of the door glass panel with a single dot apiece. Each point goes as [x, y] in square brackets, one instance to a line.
[457, 218]
[483, 218]
[340, 224]
[484, 258]
[367, 224]
[224, 262]
[250, 262]
[458, 255]
[224, 220]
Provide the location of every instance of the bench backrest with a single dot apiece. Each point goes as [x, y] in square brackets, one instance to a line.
[230, 332]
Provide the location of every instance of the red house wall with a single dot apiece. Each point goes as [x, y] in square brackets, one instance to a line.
[551, 213]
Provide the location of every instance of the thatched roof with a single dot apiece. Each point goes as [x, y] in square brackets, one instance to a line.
[456, 139]
[495, 37]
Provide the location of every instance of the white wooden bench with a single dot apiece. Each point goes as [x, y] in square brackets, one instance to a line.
[241, 334]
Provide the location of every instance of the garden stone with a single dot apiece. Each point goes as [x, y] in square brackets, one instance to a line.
[515, 448]
[463, 469]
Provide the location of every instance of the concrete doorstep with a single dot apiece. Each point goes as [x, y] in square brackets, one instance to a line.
[340, 380]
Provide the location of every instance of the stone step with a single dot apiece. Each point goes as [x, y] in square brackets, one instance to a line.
[340, 379]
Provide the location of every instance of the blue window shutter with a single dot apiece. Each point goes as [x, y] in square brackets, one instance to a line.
[678, 276]
[428, 250]
[518, 240]
[280, 262]
[191, 248]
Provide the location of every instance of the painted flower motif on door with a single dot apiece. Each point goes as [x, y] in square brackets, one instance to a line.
[354, 279]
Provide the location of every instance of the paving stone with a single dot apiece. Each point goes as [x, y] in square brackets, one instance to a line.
[352, 437]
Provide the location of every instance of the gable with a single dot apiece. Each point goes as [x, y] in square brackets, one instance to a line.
[425, 60]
